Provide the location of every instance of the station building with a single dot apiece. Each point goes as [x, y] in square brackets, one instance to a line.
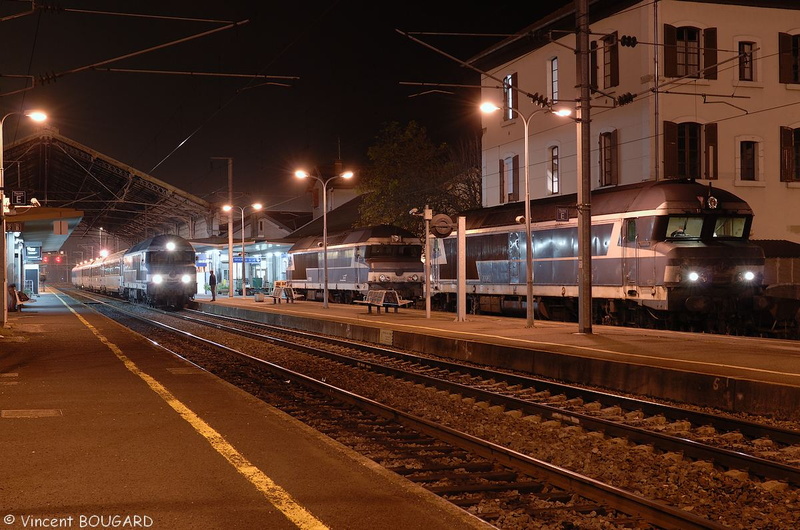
[705, 90]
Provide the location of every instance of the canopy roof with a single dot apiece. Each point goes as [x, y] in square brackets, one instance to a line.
[125, 202]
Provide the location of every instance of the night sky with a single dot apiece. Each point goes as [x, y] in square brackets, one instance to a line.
[347, 55]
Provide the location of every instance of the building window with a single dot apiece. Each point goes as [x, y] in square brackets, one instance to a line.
[510, 97]
[746, 58]
[608, 159]
[610, 61]
[790, 154]
[690, 150]
[509, 179]
[553, 75]
[789, 58]
[748, 158]
[552, 170]
[690, 52]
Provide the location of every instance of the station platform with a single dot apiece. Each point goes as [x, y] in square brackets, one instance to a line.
[744, 374]
[100, 428]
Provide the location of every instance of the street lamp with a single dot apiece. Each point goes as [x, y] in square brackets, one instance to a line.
[491, 107]
[35, 115]
[228, 207]
[304, 175]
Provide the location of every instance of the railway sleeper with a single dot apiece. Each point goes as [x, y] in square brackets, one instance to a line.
[455, 489]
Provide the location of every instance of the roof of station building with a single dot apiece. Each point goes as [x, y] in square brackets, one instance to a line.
[123, 201]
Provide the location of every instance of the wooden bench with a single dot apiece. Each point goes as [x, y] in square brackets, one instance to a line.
[285, 293]
[385, 299]
[20, 301]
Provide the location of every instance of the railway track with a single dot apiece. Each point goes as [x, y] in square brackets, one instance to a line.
[766, 451]
[521, 472]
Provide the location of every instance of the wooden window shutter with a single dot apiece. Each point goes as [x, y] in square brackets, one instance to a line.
[785, 59]
[670, 149]
[712, 155]
[710, 53]
[614, 62]
[787, 154]
[614, 157]
[670, 51]
[593, 65]
[502, 173]
[515, 183]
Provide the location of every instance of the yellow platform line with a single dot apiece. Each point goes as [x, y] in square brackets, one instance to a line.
[276, 495]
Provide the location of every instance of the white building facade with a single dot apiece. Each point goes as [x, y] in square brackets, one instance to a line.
[710, 91]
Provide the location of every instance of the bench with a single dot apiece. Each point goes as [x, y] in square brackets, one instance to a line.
[21, 300]
[285, 293]
[385, 299]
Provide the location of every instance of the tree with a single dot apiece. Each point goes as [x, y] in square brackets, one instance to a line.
[407, 170]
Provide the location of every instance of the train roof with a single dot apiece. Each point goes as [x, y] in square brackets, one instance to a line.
[676, 195]
[354, 236]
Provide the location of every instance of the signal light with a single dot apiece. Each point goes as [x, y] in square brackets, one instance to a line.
[58, 259]
[541, 101]
[625, 98]
[628, 40]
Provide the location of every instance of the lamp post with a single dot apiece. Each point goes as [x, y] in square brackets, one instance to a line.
[304, 175]
[35, 116]
[228, 207]
[491, 107]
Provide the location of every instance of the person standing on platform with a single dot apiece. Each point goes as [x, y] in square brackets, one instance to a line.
[212, 282]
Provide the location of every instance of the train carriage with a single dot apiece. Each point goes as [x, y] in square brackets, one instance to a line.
[673, 251]
[359, 259]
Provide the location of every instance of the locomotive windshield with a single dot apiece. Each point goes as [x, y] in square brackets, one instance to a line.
[730, 227]
[709, 226]
[685, 226]
[394, 251]
[179, 257]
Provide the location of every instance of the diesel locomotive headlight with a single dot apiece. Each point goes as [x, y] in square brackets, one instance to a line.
[749, 276]
[186, 278]
[157, 278]
[170, 246]
[383, 278]
[693, 276]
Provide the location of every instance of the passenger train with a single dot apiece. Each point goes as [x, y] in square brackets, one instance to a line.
[159, 271]
[359, 259]
[671, 254]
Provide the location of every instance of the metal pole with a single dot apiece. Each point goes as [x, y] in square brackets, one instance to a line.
[427, 215]
[244, 282]
[230, 228]
[3, 242]
[462, 270]
[528, 235]
[584, 173]
[325, 241]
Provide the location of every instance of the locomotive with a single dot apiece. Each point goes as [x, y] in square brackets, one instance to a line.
[359, 259]
[672, 254]
[159, 271]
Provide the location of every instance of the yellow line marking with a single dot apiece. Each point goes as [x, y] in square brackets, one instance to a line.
[276, 495]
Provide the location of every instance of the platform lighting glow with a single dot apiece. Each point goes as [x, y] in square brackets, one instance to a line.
[693, 276]
[36, 115]
[171, 246]
[749, 276]
[157, 278]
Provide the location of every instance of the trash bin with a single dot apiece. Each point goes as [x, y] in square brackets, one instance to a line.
[259, 297]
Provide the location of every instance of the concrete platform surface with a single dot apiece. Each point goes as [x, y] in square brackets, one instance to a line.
[100, 428]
